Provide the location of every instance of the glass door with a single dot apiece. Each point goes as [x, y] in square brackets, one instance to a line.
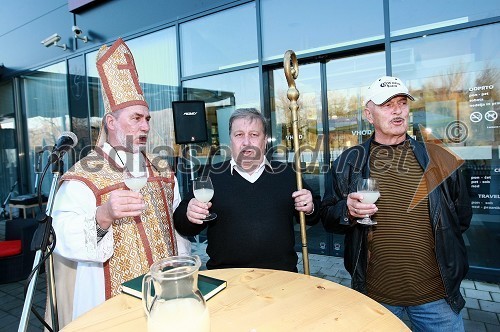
[311, 137]
[331, 91]
[45, 105]
[8, 147]
[346, 82]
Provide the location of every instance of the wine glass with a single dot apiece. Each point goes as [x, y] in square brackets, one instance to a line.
[135, 180]
[370, 191]
[203, 191]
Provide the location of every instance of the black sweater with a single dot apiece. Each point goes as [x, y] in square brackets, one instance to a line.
[254, 225]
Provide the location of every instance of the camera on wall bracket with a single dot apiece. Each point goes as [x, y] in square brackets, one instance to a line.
[78, 33]
[53, 41]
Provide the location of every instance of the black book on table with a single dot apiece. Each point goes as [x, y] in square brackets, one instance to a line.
[208, 286]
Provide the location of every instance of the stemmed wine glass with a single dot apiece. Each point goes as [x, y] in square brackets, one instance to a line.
[203, 191]
[135, 180]
[370, 191]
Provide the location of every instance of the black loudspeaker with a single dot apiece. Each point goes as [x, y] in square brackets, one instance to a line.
[190, 121]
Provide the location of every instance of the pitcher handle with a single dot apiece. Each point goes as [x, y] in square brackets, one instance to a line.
[146, 293]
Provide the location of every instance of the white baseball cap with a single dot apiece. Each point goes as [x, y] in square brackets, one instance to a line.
[385, 88]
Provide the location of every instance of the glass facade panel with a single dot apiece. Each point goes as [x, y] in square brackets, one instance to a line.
[78, 105]
[156, 62]
[456, 78]
[316, 25]
[310, 127]
[45, 101]
[347, 82]
[309, 114]
[8, 147]
[222, 94]
[96, 106]
[219, 41]
[227, 55]
[408, 16]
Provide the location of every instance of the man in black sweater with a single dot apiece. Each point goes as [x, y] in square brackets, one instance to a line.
[255, 201]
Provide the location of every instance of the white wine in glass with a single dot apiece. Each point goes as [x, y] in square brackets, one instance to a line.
[370, 191]
[135, 180]
[203, 191]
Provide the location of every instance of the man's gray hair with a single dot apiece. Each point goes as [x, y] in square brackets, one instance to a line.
[250, 114]
[115, 114]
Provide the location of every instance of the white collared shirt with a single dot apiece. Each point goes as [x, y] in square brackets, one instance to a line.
[247, 176]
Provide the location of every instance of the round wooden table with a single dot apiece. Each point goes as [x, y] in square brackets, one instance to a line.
[260, 300]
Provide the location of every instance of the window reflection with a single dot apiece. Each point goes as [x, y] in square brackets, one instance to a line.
[219, 41]
[348, 80]
[309, 113]
[316, 25]
[413, 16]
[46, 108]
[8, 152]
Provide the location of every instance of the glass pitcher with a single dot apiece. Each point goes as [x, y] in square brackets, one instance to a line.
[176, 304]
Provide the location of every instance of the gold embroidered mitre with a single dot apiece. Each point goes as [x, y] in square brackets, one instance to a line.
[119, 80]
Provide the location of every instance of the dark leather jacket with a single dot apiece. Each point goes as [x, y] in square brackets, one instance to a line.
[449, 209]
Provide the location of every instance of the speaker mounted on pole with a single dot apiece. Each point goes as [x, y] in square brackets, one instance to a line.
[190, 121]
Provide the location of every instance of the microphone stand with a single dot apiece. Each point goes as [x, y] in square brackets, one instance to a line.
[191, 163]
[4, 204]
[43, 240]
[37, 166]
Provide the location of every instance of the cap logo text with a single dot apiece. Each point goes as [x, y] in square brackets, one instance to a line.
[390, 85]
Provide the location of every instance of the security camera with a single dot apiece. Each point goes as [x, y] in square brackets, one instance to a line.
[52, 40]
[78, 33]
[77, 30]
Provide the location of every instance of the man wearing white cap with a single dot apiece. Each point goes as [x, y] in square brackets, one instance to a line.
[106, 233]
[414, 258]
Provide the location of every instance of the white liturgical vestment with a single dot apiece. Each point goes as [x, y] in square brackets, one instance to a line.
[77, 246]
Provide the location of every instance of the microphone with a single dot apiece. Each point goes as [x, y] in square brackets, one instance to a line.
[66, 141]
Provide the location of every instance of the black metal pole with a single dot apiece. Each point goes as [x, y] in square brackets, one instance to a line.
[41, 243]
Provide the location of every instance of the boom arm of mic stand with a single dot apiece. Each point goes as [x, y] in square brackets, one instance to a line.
[41, 242]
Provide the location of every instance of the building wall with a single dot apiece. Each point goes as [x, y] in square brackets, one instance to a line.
[229, 54]
[25, 23]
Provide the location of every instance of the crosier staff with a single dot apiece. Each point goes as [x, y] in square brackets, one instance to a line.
[291, 73]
